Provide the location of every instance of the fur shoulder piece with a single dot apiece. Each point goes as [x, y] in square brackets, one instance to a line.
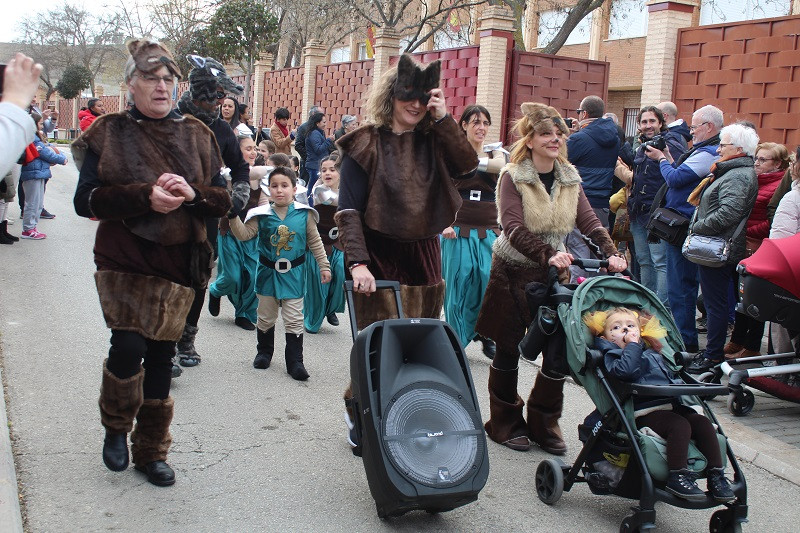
[524, 172]
[360, 145]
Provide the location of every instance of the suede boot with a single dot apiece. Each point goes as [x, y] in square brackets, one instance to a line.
[187, 355]
[151, 440]
[506, 425]
[265, 348]
[120, 400]
[544, 409]
[294, 357]
[4, 231]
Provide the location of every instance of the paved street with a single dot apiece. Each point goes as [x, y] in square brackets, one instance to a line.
[255, 450]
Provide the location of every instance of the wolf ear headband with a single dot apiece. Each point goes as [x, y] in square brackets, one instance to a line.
[414, 82]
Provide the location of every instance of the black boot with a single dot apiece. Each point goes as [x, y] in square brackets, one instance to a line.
[265, 348]
[294, 357]
[682, 484]
[332, 319]
[5, 235]
[120, 400]
[489, 347]
[187, 355]
[151, 440]
[213, 304]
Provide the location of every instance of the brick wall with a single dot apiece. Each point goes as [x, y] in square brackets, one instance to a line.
[341, 89]
[561, 82]
[750, 70]
[618, 101]
[282, 88]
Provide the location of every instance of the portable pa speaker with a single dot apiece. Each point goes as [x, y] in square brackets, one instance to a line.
[421, 435]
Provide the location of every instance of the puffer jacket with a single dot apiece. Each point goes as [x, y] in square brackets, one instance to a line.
[86, 118]
[594, 151]
[757, 224]
[787, 217]
[39, 168]
[726, 201]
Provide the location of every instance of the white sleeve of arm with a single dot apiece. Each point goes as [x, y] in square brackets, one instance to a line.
[16, 132]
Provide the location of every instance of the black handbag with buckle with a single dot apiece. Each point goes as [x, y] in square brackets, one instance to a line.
[665, 223]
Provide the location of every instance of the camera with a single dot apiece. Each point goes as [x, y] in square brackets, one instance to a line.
[568, 122]
[658, 142]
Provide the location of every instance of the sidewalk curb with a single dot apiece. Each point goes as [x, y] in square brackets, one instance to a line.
[10, 513]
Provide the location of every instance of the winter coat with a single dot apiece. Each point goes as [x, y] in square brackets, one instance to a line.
[757, 224]
[39, 168]
[787, 217]
[686, 174]
[726, 201]
[647, 178]
[86, 118]
[594, 151]
[680, 131]
[640, 365]
[317, 148]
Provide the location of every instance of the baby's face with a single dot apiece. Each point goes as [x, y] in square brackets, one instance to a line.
[621, 328]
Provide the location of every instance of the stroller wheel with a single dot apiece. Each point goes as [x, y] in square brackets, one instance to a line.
[722, 522]
[741, 402]
[549, 481]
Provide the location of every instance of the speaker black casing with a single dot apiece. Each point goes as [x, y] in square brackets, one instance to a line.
[390, 361]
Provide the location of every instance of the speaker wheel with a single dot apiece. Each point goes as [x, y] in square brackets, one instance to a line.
[549, 481]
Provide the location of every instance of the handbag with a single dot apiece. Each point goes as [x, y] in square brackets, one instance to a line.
[665, 223]
[708, 250]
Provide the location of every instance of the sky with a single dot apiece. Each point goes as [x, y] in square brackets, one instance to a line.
[14, 11]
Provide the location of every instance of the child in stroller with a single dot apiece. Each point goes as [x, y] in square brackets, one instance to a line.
[623, 337]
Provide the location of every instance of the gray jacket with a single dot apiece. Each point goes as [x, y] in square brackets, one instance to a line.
[726, 202]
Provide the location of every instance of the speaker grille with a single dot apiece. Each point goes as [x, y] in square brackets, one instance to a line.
[430, 436]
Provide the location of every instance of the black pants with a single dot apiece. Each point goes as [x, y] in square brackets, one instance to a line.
[677, 427]
[129, 350]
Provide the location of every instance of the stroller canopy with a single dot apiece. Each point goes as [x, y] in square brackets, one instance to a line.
[777, 261]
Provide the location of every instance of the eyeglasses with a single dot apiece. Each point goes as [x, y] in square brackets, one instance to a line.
[579, 111]
[725, 144]
[149, 79]
[692, 128]
[764, 159]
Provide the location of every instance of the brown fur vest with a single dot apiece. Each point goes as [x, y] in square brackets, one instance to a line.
[137, 152]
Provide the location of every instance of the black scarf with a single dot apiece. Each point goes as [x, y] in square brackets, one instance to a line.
[188, 107]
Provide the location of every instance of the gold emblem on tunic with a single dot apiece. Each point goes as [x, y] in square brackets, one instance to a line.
[282, 239]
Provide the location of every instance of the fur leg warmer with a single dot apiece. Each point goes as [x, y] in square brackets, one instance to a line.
[506, 425]
[151, 438]
[120, 400]
[544, 409]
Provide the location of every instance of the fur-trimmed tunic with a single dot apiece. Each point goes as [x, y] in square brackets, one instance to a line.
[148, 262]
[396, 195]
[534, 224]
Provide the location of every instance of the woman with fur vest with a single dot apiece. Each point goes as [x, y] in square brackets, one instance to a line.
[397, 194]
[147, 175]
[539, 200]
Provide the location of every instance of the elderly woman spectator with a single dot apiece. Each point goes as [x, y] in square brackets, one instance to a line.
[771, 162]
[723, 200]
[147, 175]
[349, 123]
[317, 148]
[279, 132]
[397, 192]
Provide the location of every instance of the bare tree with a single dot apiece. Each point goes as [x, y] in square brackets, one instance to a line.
[72, 35]
[135, 19]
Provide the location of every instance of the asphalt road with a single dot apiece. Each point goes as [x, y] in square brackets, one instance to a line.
[253, 450]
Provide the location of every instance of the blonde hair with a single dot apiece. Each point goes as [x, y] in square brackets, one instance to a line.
[380, 102]
[778, 151]
[536, 118]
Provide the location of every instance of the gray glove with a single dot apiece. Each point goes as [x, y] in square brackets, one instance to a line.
[239, 196]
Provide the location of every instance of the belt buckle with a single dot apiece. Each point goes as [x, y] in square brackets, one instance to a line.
[283, 265]
[334, 233]
[475, 196]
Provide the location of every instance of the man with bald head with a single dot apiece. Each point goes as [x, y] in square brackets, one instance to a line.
[675, 124]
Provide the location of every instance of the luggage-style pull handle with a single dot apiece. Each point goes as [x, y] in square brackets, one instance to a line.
[380, 284]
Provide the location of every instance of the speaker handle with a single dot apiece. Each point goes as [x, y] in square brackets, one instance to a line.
[380, 284]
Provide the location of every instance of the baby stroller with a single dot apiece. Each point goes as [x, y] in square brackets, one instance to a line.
[616, 458]
[769, 290]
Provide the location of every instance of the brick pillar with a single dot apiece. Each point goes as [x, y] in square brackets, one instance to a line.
[123, 96]
[496, 42]
[795, 7]
[598, 32]
[665, 17]
[314, 54]
[387, 43]
[261, 116]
